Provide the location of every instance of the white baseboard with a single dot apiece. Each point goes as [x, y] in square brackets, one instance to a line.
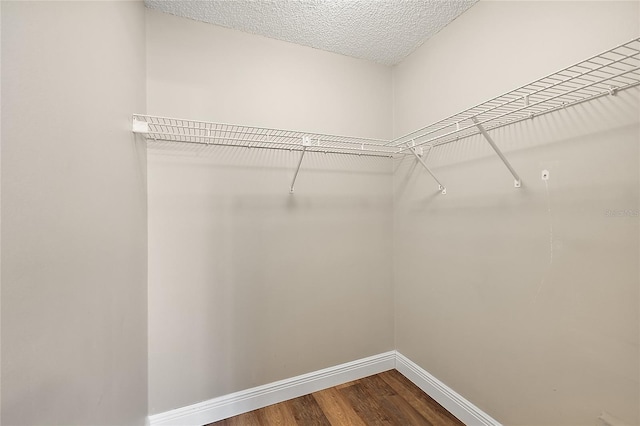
[251, 399]
[464, 410]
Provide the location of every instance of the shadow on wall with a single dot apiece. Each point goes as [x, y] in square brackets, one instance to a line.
[256, 175]
[270, 158]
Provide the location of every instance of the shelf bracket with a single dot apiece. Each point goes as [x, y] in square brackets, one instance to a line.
[517, 181]
[306, 142]
[139, 126]
[418, 155]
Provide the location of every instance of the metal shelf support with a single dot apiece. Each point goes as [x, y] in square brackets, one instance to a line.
[414, 150]
[517, 182]
[306, 142]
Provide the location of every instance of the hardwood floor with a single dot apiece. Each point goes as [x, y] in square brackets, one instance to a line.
[387, 398]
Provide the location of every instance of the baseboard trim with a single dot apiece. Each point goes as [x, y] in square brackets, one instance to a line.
[457, 405]
[251, 399]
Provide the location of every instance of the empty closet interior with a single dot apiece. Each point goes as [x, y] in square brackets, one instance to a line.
[190, 212]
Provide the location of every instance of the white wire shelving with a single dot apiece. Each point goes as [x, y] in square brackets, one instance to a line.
[604, 74]
[209, 133]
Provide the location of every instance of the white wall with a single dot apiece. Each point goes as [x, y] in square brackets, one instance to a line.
[74, 349]
[247, 283]
[525, 301]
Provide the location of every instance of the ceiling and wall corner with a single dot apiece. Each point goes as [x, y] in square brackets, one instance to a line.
[381, 31]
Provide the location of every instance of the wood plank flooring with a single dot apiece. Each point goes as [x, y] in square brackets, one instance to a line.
[387, 398]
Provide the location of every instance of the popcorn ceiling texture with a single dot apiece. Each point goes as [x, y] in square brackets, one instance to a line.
[384, 31]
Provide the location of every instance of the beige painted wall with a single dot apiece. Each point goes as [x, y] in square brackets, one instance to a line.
[74, 346]
[247, 283]
[525, 301]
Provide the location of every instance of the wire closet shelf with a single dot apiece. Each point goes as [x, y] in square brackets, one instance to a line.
[607, 73]
[209, 133]
[604, 74]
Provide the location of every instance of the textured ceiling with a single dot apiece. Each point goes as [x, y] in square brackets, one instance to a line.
[384, 31]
